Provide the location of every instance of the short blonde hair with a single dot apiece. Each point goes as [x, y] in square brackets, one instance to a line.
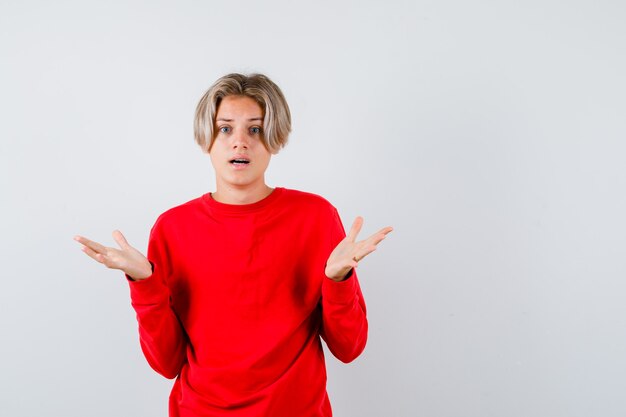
[276, 119]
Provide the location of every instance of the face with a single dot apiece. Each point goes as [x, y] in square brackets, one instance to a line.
[238, 153]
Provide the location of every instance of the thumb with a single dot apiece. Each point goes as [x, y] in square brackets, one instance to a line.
[355, 229]
[120, 239]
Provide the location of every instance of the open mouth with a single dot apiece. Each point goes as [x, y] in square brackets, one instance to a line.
[240, 161]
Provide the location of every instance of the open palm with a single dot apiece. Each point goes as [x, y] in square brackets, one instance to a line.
[349, 251]
[127, 259]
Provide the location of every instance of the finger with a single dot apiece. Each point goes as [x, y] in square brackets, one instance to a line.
[362, 254]
[355, 229]
[120, 239]
[369, 245]
[92, 254]
[384, 231]
[95, 246]
[376, 238]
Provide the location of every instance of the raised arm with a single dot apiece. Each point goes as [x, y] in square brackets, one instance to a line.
[161, 335]
[344, 320]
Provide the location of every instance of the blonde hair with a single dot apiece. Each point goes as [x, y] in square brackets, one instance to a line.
[276, 119]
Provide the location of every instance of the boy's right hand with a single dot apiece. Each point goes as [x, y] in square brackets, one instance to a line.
[127, 259]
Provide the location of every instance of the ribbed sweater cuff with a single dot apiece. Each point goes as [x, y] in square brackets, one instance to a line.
[342, 292]
[147, 291]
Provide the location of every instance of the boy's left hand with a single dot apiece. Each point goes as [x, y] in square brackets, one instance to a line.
[349, 252]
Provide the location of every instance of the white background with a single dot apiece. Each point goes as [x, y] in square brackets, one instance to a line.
[489, 134]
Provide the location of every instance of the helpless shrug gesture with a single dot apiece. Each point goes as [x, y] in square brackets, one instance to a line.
[239, 285]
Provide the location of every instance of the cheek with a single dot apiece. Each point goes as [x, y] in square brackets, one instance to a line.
[266, 160]
[214, 154]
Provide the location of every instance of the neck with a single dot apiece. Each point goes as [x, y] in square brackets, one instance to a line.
[243, 195]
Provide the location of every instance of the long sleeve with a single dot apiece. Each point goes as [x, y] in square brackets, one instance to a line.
[344, 315]
[161, 335]
[237, 303]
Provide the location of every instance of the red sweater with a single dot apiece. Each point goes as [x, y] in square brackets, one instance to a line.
[238, 300]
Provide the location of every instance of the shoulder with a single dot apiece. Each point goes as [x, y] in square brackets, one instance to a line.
[307, 201]
[181, 213]
[317, 212]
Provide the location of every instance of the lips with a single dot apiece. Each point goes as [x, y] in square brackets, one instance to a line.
[239, 161]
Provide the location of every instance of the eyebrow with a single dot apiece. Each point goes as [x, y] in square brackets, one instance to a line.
[222, 119]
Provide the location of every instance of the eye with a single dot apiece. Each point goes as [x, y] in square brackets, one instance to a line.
[224, 129]
[255, 130]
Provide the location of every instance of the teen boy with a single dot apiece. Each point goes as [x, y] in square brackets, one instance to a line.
[239, 285]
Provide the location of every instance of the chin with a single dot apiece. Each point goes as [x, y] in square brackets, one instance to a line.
[240, 182]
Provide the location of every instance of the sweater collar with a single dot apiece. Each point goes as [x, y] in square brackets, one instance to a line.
[223, 208]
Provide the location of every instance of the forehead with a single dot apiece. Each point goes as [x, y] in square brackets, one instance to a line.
[238, 107]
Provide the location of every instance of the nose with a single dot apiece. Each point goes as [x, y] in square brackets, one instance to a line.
[240, 140]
